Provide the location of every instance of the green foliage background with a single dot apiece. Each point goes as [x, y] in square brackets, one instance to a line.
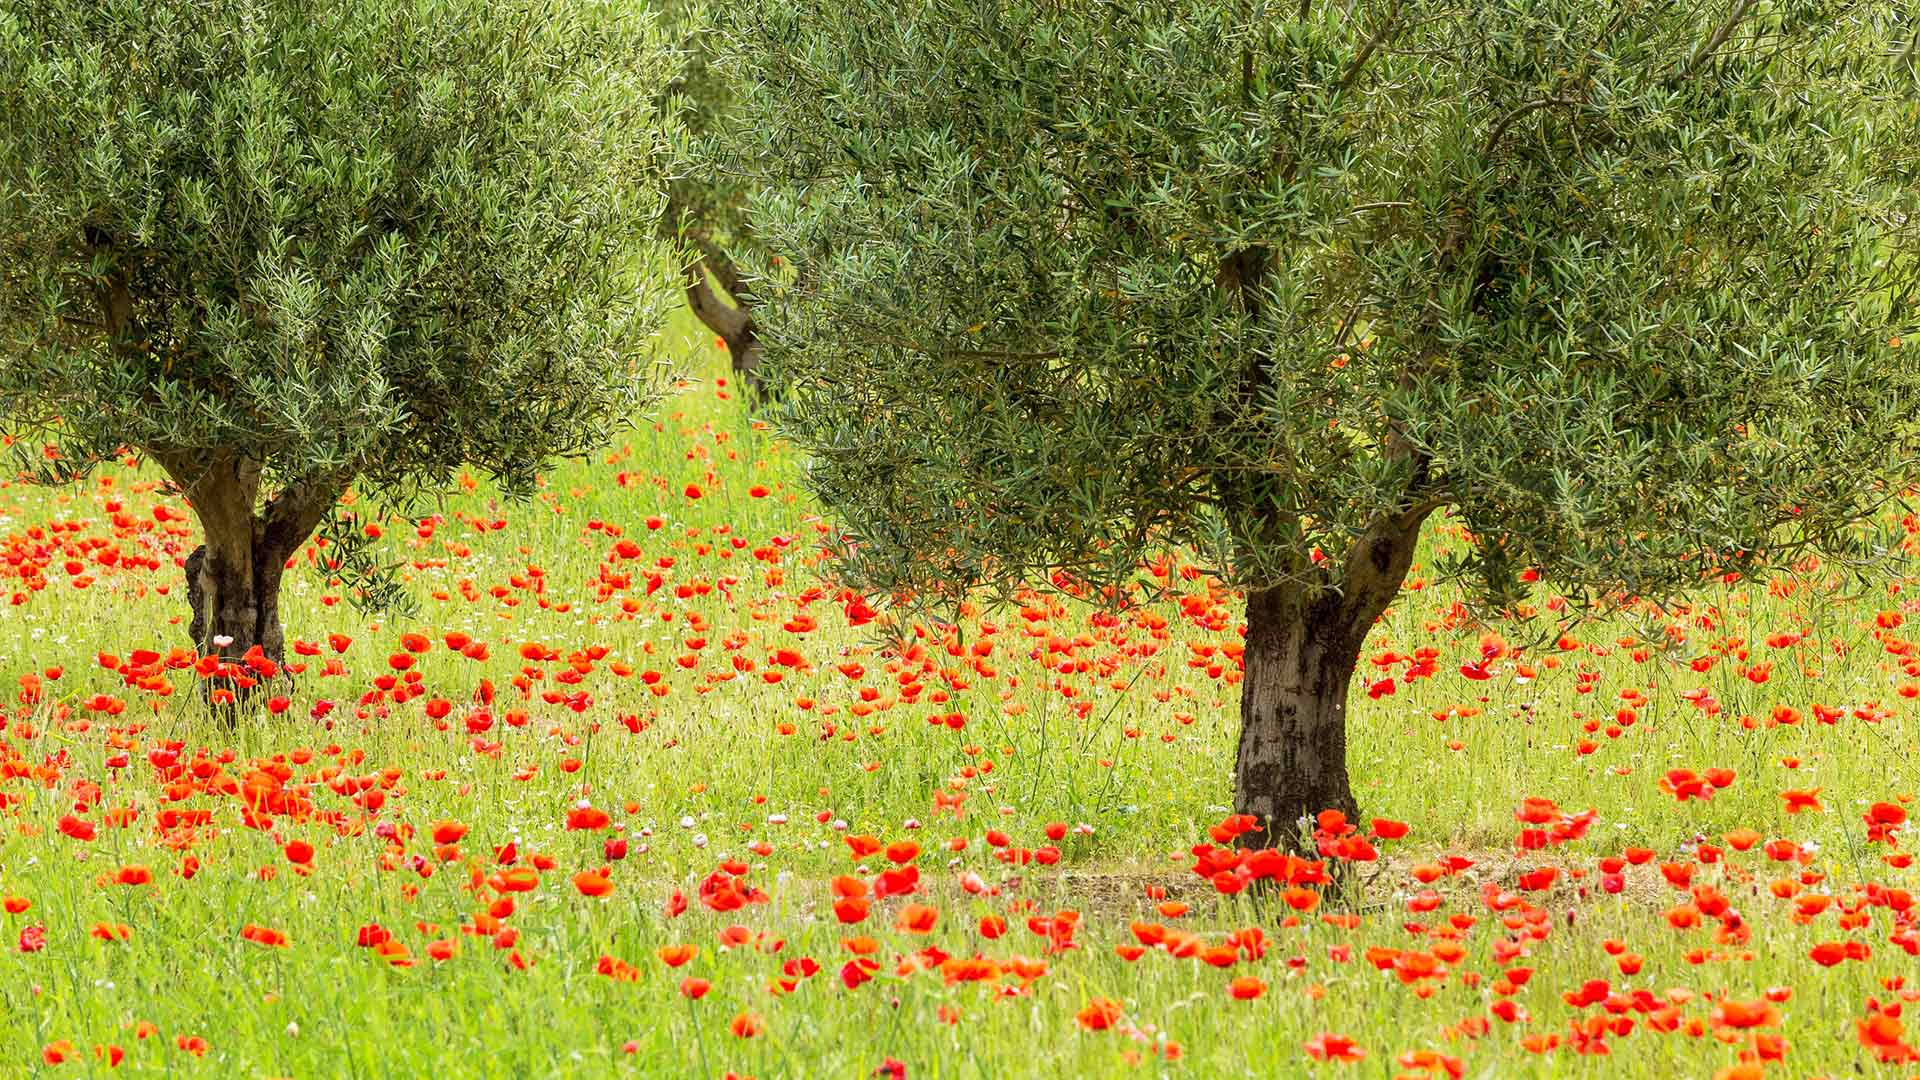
[355, 238]
[1617, 283]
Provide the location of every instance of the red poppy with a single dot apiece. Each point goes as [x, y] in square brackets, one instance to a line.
[747, 1025]
[593, 882]
[1246, 988]
[1330, 1047]
[916, 919]
[1099, 1014]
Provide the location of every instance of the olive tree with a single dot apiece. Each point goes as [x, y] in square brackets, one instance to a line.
[706, 205]
[278, 248]
[1616, 285]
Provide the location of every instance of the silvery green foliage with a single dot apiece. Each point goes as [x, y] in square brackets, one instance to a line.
[706, 204]
[372, 238]
[1615, 282]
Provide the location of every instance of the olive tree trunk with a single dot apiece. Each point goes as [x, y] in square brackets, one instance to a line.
[732, 323]
[730, 317]
[1301, 652]
[233, 577]
[1292, 760]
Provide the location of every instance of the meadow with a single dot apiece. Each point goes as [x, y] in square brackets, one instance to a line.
[638, 791]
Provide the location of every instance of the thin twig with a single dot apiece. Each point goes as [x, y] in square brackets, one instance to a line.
[1346, 325]
[1719, 37]
[1500, 126]
[1366, 51]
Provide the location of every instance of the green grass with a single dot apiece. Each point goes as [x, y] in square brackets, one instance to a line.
[1140, 752]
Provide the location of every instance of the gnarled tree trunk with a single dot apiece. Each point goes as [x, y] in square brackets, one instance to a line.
[733, 323]
[233, 577]
[1292, 760]
[1301, 653]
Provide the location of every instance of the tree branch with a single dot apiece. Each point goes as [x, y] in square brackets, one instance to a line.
[1501, 125]
[964, 354]
[1366, 51]
[1346, 324]
[1719, 38]
[297, 509]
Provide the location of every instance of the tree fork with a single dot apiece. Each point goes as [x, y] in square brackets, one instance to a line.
[233, 578]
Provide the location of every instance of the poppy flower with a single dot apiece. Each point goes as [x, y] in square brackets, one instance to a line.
[587, 818]
[1246, 988]
[1883, 1033]
[1828, 953]
[1099, 1014]
[857, 972]
[747, 1025]
[1798, 801]
[263, 935]
[1327, 1046]
[1730, 1013]
[916, 919]
[1386, 829]
[592, 883]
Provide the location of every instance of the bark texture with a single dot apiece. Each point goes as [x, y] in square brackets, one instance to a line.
[1301, 653]
[733, 323]
[233, 577]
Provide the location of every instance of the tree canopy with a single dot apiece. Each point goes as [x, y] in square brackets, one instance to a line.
[1618, 286]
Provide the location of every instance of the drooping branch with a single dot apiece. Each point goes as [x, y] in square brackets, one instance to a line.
[1501, 125]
